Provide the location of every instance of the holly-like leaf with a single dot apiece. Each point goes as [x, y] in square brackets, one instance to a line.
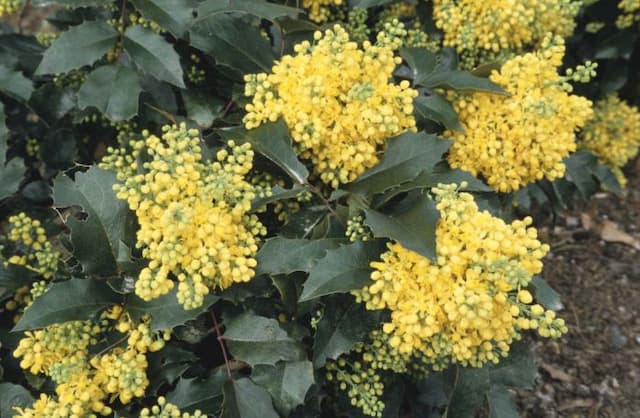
[430, 70]
[203, 394]
[471, 387]
[406, 156]
[167, 365]
[546, 295]
[272, 140]
[280, 255]
[342, 269]
[259, 8]
[96, 239]
[173, 15]
[343, 324]
[365, 4]
[287, 382]
[259, 340]
[11, 175]
[579, 169]
[13, 396]
[14, 84]
[245, 399]
[79, 46]
[201, 108]
[165, 311]
[232, 43]
[412, 224]
[437, 109]
[113, 90]
[152, 54]
[4, 135]
[72, 300]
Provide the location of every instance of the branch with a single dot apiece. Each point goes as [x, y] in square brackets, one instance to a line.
[216, 326]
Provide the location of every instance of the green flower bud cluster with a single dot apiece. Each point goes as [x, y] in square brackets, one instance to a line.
[164, 409]
[356, 230]
[357, 26]
[363, 385]
[196, 75]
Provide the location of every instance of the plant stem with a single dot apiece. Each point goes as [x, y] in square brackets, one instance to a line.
[216, 326]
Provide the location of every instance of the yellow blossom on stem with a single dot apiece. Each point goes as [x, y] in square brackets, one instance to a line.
[337, 100]
[470, 304]
[522, 136]
[194, 216]
[613, 134]
[319, 11]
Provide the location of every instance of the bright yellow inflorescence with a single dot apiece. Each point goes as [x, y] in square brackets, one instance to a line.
[163, 409]
[523, 136]
[613, 134]
[469, 305]
[9, 7]
[319, 11]
[630, 13]
[479, 27]
[86, 383]
[32, 250]
[194, 216]
[337, 100]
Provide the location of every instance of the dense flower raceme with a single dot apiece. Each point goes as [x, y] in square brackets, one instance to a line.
[193, 215]
[26, 245]
[165, 409]
[482, 29]
[613, 134]
[630, 13]
[9, 7]
[522, 136]
[319, 10]
[337, 100]
[469, 305]
[86, 383]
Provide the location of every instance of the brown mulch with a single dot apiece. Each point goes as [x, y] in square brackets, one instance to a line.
[594, 370]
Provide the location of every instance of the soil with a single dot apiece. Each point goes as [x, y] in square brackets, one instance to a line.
[594, 370]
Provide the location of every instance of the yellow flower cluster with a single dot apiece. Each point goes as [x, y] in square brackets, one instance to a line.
[469, 305]
[630, 13]
[613, 134]
[337, 100]
[523, 136]
[319, 11]
[193, 216]
[85, 383]
[9, 7]
[477, 27]
[31, 248]
[167, 410]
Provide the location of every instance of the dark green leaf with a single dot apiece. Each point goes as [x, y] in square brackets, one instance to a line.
[365, 4]
[72, 300]
[413, 225]
[607, 179]
[287, 382]
[173, 15]
[245, 399]
[580, 166]
[272, 140]
[167, 365]
[113, 90]
[13, 276]
[284, 256]
[79, 46]
[203, 394]
[342, 325]
[259, 340]
[165, 311]
[4, 135]
[69, 3]
[11, 176]
[202, 109]
[152, 54]
[421, 62]
[469, 391]
[406, 156]
[95, 239]
[232, 43]
[501, 403]
[15, 84]
[545, 294]
[12, 396]
[53, 102]
[342, 269]
[259, 8]
[277, 193]
[438, 109]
